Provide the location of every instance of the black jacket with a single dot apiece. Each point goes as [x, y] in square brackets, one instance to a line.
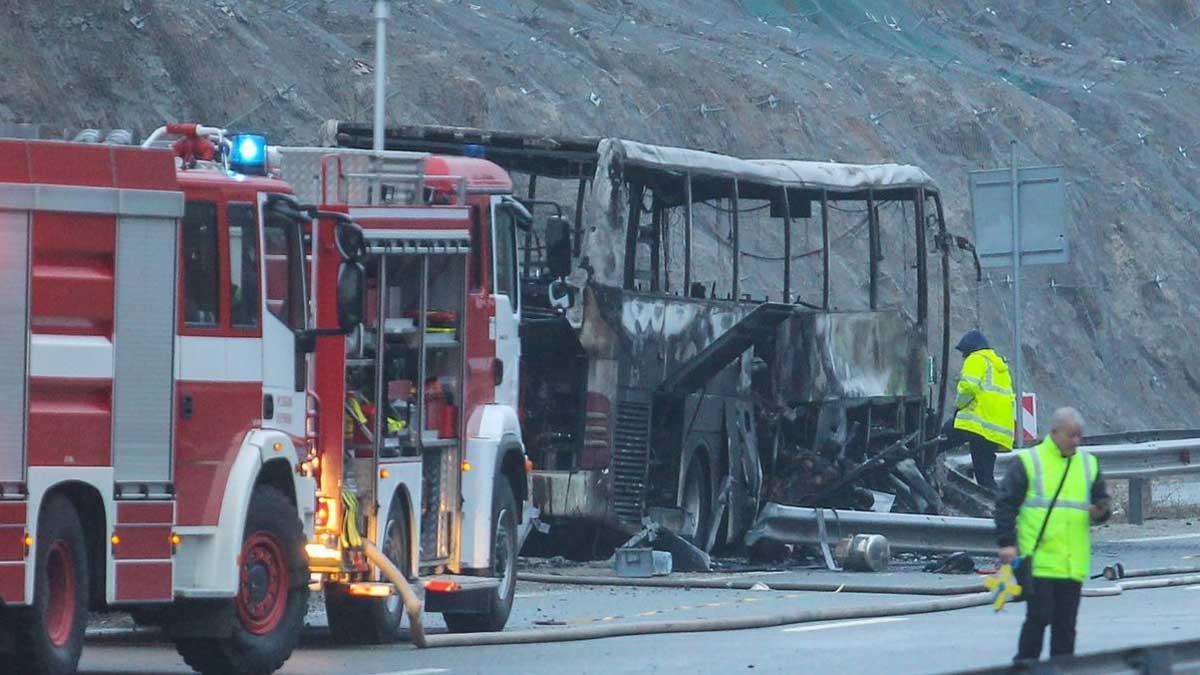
[1011, 495]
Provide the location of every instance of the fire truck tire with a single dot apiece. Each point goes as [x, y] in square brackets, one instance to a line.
[272, 595]
[504, 566]
[355, 620]
[48, 635]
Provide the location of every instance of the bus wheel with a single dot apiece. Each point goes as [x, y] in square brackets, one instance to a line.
[696, 504]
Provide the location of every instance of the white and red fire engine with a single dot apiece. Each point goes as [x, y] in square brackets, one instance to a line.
[418, 440]
[164, 420]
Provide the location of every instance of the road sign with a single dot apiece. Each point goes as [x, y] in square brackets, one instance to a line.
[1028, 421]
[1043, 219]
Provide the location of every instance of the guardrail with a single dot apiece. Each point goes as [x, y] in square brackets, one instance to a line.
[904, 531]
[1173, 657]
[1155, 454]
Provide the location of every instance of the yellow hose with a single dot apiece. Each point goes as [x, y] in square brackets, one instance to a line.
[412, 605]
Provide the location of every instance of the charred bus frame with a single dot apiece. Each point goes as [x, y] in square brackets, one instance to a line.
[690, 406]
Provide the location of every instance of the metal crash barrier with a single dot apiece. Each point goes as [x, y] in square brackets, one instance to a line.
[904, 531]
[1137, 457]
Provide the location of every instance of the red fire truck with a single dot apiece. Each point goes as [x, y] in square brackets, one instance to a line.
[418, 441]
[152, 416]
[164, 419]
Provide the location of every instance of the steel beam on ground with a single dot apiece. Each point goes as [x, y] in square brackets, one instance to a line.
[904, 531]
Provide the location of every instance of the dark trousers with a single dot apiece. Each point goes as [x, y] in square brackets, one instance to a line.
[1054, 603]
[983, 452]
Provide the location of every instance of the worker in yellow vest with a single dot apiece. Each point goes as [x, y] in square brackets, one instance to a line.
[1044, 510]
[984, 415]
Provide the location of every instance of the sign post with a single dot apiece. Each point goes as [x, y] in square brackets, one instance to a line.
[1020, 219]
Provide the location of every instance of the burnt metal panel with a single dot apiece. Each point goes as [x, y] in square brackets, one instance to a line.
[14, 342]
[143, 381]
[693, 373]
[847, 356]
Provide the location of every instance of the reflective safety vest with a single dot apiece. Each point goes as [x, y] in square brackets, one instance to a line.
[1066, 548]
[985, 398]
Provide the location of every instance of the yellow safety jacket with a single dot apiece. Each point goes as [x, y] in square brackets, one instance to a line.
[985, 398]
[1066, 548]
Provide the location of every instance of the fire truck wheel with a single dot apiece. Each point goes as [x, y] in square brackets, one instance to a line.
[48, 635]
[355, 620]
[504, 566]
[272, 597]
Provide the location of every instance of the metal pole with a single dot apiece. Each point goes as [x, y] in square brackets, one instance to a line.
[687, 239]
[1019, 432]
[787, 248]
[382, 12]
[737, 246]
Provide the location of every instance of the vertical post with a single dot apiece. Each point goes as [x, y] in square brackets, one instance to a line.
[380, 401]
[873, 244]
[533, 186]
[656, 220]
[1137, 493]
[382, 13]
[665, 238]
[737, 247]
[687, 238]
[922, 263]
[633, 226]
[579, 197]
[787, 247]
[825, 249]
[1018, 438]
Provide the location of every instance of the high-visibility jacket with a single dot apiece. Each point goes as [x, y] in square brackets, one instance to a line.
[985, 398]
[1065, 551]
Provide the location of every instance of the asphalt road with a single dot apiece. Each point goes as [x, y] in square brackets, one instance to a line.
[930, 643]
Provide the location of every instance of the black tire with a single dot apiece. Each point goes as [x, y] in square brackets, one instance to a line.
[355, 620]
[504, 561]
[48, 634]
[696, 504]
[274, 569]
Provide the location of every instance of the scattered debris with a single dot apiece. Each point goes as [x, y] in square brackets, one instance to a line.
[955, 563]
[685, 556]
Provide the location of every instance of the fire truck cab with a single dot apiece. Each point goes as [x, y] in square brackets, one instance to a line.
[153, 398]
[418, 443]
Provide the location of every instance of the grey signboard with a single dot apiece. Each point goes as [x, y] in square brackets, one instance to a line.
[1043, 218]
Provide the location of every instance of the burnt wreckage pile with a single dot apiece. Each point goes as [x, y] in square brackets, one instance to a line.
[703, 334]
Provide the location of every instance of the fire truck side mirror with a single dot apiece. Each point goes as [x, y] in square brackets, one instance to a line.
[351, 293]
[348, 237]
[558, 246]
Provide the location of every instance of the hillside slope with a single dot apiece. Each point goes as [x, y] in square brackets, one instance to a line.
[1107, 89]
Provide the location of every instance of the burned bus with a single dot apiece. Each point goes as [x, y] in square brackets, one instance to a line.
[703, 334]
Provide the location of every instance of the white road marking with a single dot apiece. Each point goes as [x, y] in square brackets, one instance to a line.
[418, 671]
[1171, 537]
[1193, 588]
[843, 624]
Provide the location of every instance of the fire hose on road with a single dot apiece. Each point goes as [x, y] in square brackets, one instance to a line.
[965, 597]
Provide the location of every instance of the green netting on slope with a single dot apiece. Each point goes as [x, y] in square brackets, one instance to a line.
[881, 25]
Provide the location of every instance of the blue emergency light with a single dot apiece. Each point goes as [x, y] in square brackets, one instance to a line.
[249, 154]
[474, 150]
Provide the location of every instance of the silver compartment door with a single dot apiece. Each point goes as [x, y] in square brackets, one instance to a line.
[14, 342]
[144, 337]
